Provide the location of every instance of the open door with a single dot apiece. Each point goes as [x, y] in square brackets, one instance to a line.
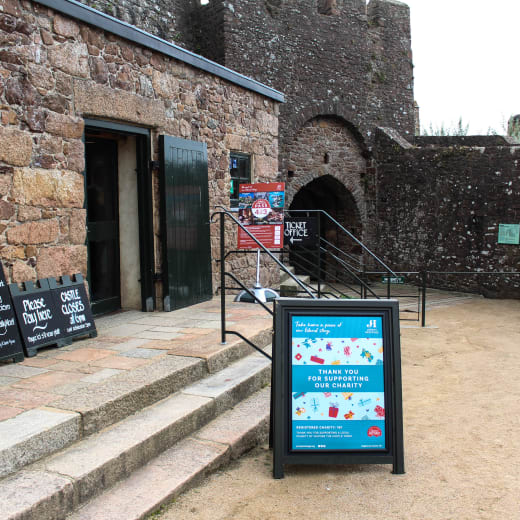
[185, 222]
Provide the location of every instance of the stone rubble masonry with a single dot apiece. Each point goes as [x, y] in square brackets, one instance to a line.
[54, 73]
[440, 201]
[346, 60]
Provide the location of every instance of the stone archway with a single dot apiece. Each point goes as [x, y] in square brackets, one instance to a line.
[326, 169]
[328, 194]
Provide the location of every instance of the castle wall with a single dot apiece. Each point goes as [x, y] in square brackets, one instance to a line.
[349, 62]
[56, 71]
[167, 19]
[439, 208]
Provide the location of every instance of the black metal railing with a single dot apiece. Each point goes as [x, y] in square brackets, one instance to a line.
[223, 213]
[336, 273]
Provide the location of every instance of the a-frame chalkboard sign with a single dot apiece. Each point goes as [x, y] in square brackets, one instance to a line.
[72, 306]
[39, 321]
[10, 341]
[337, 383]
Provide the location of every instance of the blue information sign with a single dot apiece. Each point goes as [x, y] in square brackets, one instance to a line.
[336, 392]
[337, 382]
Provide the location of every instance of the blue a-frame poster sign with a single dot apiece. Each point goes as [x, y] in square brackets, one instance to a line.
[337, 383]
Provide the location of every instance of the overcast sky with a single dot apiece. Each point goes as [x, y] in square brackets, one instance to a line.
[467, 62]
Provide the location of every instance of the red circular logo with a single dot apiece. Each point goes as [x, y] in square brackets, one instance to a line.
[261, 208]
[374, 431]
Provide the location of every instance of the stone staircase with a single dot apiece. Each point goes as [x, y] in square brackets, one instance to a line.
[122, 451]
[288, 287]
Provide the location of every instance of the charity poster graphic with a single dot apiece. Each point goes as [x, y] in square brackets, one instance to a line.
[337, 374]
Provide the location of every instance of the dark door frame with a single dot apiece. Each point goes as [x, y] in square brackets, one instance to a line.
[144, 201]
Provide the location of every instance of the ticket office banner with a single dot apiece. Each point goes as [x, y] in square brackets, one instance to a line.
[337, 383]
[261, 208]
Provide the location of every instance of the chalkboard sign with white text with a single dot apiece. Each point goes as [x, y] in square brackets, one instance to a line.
[39, 321]
[10, 342]
[73, 307]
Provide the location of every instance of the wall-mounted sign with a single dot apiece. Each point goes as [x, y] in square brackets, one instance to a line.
[337, 384]
[39, 320]
[261, 209]
[10, 341]
[301, 231]
[509, 233]
[73, 307]
[396, 280]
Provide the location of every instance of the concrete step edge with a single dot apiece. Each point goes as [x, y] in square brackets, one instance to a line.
[83, 470]
[37, 433]
[184, 465]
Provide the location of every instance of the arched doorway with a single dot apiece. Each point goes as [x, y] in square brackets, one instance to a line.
[330, 195]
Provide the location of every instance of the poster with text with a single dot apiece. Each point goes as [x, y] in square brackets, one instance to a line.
[260, 207]
[337, 383]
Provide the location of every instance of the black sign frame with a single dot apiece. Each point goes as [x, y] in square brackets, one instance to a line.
[77, 304]
[31, 292]
[9, 325]
[388, 311]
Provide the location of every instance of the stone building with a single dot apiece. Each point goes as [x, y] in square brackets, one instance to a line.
[345, 68]
[108, 137]
[342, 140]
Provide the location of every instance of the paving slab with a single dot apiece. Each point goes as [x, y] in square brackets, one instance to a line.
[36, 495]
[104, 458]
[121, 395]
[184, 465]
[175, 471]
[20, 371]
[33, 434]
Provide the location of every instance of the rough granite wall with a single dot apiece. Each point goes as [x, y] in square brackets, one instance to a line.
[439, 207]
[351, 61]
[338, 58]
[54, 72]
[335, 59]
[167, 19]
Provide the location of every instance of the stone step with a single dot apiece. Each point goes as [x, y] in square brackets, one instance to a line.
[185, 464]
[283, 274]
[291, 288]
[58, 484]
[34, 434]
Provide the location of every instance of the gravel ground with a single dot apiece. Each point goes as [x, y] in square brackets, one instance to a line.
[461, 389]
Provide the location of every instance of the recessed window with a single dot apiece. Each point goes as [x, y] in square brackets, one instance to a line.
[240, 173]
[327, 6]
[204, 2]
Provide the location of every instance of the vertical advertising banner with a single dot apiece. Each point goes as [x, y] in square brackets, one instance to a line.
[261, 209]
[337, 383]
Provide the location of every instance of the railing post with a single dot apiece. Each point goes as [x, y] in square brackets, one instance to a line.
[222, 280]
[423, 309]
[319, 256]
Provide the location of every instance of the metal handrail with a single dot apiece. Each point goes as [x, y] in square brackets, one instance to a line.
[261, 246]
[223, 213]
[357, 241]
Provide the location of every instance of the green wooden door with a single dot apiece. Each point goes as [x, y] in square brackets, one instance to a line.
[185, 222]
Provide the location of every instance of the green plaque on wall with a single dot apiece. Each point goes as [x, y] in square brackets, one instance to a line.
[509, 233]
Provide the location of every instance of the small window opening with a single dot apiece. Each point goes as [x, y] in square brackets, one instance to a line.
[240, 173]
[290, 174]
[326, 158]
[327, 7]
